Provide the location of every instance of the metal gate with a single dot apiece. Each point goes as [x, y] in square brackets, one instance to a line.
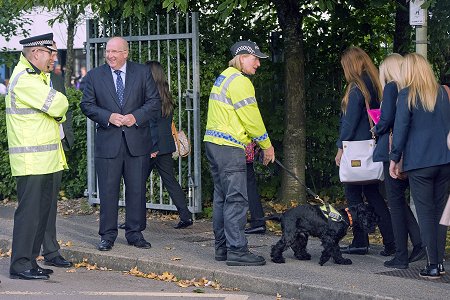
[173, 40]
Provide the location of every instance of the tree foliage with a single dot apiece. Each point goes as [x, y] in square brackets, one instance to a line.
[327, 28]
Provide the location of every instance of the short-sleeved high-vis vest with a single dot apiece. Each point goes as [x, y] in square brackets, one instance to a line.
[32, 108]
[233, 115]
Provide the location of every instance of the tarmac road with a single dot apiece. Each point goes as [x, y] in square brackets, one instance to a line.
[82, 284]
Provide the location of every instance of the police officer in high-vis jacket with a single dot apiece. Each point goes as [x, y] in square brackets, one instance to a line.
[33, 113]
[233, 122]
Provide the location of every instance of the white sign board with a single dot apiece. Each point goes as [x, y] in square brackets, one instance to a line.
[416, 13]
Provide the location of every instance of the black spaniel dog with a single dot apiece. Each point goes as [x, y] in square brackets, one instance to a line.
[300, 222]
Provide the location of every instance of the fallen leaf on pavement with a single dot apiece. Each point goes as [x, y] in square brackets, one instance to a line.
[175, 258]
[71, 271]
[5, 254]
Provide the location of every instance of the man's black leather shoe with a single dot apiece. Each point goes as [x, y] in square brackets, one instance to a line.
[32, 274]
[220, 254]
[255, 230]
[121, 226]
[396, 264]
[44, 271]
[247, 258]
[105, 245]
[417, 254]
[141, 243]
[58, 261]
[183, 224]
[355, 250]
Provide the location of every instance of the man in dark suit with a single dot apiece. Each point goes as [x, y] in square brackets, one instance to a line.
[121, 98]
[50, 245]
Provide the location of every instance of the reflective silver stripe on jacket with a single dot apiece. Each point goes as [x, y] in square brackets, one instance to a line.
[244, 102]
[22, 111]
[14, 110]
[33, 149]
[218, 97]
[222, 97]
[11, 92]
[49, 100]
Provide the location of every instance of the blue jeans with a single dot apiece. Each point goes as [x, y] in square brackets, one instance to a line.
[230, 204]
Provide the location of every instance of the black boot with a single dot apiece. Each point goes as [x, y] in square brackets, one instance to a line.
[244, 258]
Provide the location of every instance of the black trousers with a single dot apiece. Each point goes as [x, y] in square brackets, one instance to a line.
[34, 193]
[134, 170]
[254, 202]
[354, 194]
[50, 246]
[164, 165]
[403, 220]
[429, 187]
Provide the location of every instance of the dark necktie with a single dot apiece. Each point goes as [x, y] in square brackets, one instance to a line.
[119, 85]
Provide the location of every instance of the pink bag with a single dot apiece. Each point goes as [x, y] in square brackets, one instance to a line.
[374, 114]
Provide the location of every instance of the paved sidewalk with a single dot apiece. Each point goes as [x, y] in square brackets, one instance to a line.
[189, 253]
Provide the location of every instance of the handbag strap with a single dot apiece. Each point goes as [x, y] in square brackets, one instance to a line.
[368, 117]
[175, 132]
[448, 90]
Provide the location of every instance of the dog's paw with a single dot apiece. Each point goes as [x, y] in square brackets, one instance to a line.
[343, 261]
[278, 260]
[303, 256]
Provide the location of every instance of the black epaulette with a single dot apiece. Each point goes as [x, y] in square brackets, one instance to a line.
[31, 71]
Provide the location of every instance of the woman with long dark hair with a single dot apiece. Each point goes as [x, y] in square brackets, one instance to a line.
[162, 158]
[363, 85]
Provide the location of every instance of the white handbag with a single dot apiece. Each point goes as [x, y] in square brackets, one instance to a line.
[357, 165]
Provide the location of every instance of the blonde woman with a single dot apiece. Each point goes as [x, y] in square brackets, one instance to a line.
[403, 220]
[420, 131]
[363, 85]
[233, 122]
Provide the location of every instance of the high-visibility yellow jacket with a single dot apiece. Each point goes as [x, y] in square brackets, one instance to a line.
[233, 115]
[32, 111]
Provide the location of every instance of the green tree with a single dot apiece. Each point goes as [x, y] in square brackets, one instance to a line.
[12, 23]
[70, 11]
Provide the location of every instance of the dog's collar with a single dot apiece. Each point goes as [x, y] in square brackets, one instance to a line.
[350, 219]
[331, 213]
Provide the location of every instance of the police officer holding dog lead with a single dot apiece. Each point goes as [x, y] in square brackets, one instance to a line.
[233, 122]
[33, 113]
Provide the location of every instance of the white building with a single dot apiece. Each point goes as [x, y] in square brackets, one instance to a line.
[39, 18]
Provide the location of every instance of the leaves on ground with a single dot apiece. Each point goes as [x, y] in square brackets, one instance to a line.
[184, 283]
[89, 266]
[65, 244]
[5, 254]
